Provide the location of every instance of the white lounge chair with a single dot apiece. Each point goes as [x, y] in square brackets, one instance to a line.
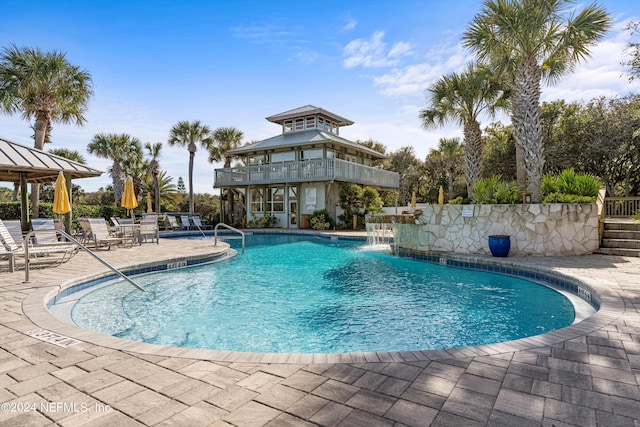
[186, 223]
[13, 250]
[99, 232]
[149, 230]
[44, 232]
[173, 222]
[198, 223]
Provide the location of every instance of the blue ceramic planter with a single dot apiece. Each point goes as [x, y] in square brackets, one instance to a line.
[499, 245]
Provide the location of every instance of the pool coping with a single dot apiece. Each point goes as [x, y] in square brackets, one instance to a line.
[611, 306]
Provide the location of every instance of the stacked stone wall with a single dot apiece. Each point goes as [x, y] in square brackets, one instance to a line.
[534, 229]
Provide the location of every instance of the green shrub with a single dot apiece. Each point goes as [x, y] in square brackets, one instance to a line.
[321, 217]
[558, 197]
[319, 223]
[493, 191]
[265, 221]
[568, 182]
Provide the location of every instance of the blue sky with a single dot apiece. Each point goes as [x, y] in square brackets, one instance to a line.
[233, 63]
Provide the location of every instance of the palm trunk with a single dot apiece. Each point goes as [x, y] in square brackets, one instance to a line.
[42, 121]
[521, 172]
[157, 195]
[192, 154]
[118, 184]
[473, 153]
[527, 129]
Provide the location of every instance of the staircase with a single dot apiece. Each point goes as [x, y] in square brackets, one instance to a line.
[621, 237]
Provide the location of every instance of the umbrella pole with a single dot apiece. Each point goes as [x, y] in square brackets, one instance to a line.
[68, 216]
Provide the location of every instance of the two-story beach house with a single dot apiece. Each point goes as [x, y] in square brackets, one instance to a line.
[300, 171]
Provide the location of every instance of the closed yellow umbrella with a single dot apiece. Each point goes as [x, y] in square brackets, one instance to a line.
[129, 200]
[441, 196]
[149, 207]
[413, 200]
[61, 203]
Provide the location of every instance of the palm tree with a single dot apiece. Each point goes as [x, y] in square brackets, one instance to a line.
[461, 99]
[154, 166]
[532, 40]
[170, 197]
[136, 166]
[44, 87]
[224, 139]
[449, 152]
[189, 134]
[116, 147]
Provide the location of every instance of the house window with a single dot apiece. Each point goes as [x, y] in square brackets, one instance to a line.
[257, 199]
[299, 124]
[275, 199]
[256, 160]
[310, 122]
[287, 125]
[288, 156]
[315, 153]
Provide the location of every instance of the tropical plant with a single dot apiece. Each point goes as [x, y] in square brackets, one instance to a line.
[633, 47]
[447, 157]
[136, 166]
[461, 99]
[44, 87]
[116, 147]
[408, 166]
[154, 167]
[371, 200]
[190, 134]
[170, 197]
[569, 182]
[493, 190]
[532, 40]
[321, 220]
[224, 139]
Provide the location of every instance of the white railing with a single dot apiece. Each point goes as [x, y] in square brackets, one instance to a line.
[306, 171]
[222, 224]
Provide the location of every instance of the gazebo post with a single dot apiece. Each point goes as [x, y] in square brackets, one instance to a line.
[24, 202]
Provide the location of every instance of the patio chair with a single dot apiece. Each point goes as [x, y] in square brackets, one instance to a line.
[45, 233]
[186, 223]
[149, 230]
[13, 250]
[173, 222]
[198, 223]
[100, 234]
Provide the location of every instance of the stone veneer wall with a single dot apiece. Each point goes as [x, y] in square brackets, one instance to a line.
[535, 229]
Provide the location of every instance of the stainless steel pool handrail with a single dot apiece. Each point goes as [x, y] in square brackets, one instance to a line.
[73, 239]
[222, 224]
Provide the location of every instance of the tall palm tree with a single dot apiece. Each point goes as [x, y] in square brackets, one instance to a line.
[76, 157]
[44, 87]
[461, 99]
[189, 134]
[532, 40]
[224, 139]
[450, 152]
[136, 166]
[116, 147]
[154, 166]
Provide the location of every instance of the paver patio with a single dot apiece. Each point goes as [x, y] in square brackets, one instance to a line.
[589, 379]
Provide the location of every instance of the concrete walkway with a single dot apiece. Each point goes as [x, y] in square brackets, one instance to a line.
[588, 379]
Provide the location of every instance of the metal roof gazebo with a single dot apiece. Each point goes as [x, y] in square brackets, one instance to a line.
[19, 163]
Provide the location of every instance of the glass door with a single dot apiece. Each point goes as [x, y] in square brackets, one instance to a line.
[293, 214]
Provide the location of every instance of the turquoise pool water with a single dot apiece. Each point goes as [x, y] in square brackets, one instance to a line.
[296, 294]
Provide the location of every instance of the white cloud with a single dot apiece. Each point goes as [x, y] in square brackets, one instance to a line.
[373, 53]
[350, 25]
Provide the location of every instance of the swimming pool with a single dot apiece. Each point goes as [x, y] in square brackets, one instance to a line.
[293, 294]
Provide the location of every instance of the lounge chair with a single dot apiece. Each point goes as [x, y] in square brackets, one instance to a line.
[99, 233]
[173, 222]
[198, 223]
[149, 230]
[13, 250]
[44, 232]
[186, 223]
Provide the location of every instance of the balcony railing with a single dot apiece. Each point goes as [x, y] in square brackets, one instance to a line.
[306, 171]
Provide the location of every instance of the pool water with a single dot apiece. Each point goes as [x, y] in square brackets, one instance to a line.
[305, 294]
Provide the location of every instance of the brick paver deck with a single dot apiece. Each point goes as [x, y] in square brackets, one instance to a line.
[589, 379]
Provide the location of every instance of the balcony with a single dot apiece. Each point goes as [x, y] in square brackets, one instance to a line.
[306, 171]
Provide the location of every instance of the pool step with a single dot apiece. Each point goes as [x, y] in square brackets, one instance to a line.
[620, 237]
